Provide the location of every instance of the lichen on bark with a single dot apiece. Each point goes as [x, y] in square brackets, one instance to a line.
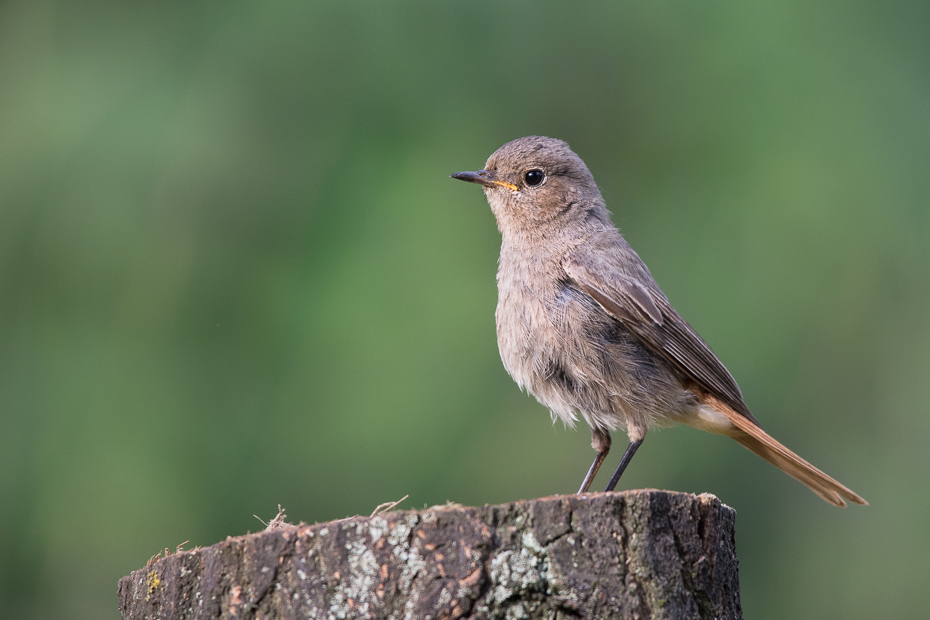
[636, 554]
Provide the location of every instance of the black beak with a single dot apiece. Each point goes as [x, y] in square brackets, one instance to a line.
[483, 177]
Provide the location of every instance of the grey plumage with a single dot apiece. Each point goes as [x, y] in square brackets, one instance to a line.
[583, 326]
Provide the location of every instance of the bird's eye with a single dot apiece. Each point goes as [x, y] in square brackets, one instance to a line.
[534, 177]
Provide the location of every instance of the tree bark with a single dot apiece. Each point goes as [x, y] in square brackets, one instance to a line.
[636, 554]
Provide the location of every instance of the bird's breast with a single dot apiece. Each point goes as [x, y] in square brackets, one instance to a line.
[561, 346]
[524, 325]
[534, 321]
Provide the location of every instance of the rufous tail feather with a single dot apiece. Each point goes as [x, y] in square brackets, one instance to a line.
[760, 442]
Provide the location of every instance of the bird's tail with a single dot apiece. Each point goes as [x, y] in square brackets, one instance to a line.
[753, 437]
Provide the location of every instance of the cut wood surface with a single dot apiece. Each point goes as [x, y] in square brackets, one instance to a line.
[635, 554]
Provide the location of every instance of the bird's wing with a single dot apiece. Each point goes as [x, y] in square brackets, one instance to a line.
[639, 305]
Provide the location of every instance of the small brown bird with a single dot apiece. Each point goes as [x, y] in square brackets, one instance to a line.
[582, 325]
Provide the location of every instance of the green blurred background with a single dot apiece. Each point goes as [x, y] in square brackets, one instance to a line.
[234, 271]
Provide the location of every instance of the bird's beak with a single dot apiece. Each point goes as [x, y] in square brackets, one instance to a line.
[483, 177]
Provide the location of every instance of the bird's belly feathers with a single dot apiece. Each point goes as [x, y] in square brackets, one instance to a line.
[563, 348]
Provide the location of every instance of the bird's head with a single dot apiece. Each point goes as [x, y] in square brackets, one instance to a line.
[538, 186]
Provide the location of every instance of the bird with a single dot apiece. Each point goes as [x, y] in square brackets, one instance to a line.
[583, 326]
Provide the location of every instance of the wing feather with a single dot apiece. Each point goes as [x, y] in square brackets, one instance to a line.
[638, 303]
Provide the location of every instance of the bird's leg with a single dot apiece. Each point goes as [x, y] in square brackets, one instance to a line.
[627, 456]
[600, 441]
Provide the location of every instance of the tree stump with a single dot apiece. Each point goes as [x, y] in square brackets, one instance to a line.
[636, 554]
